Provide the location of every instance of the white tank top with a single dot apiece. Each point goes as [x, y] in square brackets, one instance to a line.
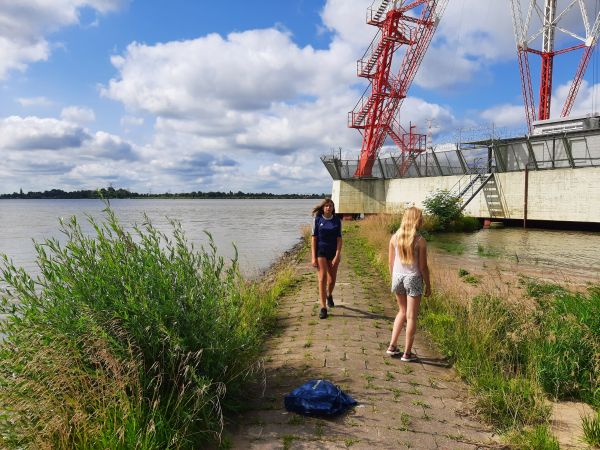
[407, 269]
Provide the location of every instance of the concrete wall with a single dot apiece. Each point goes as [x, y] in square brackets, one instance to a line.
[560, 194]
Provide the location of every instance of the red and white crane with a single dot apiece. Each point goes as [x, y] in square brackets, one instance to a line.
[550, 22]
[403, 23]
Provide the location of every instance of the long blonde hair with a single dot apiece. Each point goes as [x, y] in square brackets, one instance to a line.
[406, 234]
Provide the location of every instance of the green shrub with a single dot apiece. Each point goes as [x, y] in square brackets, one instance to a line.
[566, 356]
[510, 402]
[538, 289]
[591, 430]
[465, 224]
[444, 206]
[538, 438]
[467, 277]
[394, 224]
[155, 338]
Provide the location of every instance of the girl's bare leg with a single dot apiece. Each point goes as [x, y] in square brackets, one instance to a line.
[323, 275]
[399, 320]
[331, 277]
[412, 311]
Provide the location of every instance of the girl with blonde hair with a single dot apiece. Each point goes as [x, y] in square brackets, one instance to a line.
[407, 258]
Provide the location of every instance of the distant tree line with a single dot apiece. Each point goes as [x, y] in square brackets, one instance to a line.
[110, 193]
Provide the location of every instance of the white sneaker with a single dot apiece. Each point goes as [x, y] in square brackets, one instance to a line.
[409, 357]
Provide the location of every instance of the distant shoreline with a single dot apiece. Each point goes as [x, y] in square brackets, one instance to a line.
[111, 193]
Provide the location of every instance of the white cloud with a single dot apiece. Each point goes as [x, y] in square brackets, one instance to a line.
[587, 100]
[210, 75]
[252, 110]
[77, 114]
[34, 133]
[24, 25]
[131, 121]
[34, 101]
[505, 115]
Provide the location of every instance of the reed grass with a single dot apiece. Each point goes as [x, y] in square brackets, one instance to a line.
[127, 340]
[514, 357]
[591, 430]
[537, 438]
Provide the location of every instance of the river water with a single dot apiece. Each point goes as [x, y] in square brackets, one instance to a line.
[576, 252]
[261, 229]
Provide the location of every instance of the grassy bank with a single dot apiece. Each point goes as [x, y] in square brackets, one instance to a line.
[127, 340]
[514, 358]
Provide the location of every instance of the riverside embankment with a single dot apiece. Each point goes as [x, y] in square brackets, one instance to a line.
[136, 341]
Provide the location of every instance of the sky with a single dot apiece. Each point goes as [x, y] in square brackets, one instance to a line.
[178, 96]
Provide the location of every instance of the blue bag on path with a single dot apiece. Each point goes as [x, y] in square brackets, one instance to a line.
[318, 397]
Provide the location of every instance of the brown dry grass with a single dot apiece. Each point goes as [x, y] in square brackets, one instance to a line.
[63, 390]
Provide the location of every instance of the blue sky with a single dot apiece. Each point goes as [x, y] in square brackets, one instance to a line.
[177, 95]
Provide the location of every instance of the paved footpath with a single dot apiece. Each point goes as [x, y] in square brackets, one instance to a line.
[419, 405]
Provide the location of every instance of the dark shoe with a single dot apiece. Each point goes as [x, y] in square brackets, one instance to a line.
[330, 303]
[323, 313]
[393, 351]
[409, 357]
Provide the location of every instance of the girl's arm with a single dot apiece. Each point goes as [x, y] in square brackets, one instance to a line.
[423, 267]
[338, 252]
[391, 255]
[313, 242]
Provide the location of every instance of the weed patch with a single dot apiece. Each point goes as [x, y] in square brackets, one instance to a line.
[127, 340]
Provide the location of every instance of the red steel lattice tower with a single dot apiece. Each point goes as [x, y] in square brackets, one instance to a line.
[400, 23]
[526, 34]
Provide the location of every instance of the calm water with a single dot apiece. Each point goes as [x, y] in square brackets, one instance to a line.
[261, 229]
[577, 251]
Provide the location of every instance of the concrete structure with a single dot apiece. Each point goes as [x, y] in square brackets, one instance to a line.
[546, 176]
[558, 195]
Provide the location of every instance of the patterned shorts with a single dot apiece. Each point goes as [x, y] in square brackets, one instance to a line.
[411, 285]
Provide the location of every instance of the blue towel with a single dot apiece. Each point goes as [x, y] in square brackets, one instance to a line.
[318, 397]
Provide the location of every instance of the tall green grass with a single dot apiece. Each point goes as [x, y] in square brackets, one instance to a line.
[126, 339]
[565, 350]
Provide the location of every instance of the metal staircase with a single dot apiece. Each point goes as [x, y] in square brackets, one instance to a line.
[471, 183]
[374, 15]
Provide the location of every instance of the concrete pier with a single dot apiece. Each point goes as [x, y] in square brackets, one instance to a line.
[552, 195]
[550, 175]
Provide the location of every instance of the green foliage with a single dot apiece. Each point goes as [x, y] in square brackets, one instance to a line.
[453, 247]
[591, 430]
[465, 224]
[566, 354]
[467, 277]
[538, 438]
[471, 279]
[475, 338]
[126, 340]
[444, 206]
[394, 224]
[540, 290]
